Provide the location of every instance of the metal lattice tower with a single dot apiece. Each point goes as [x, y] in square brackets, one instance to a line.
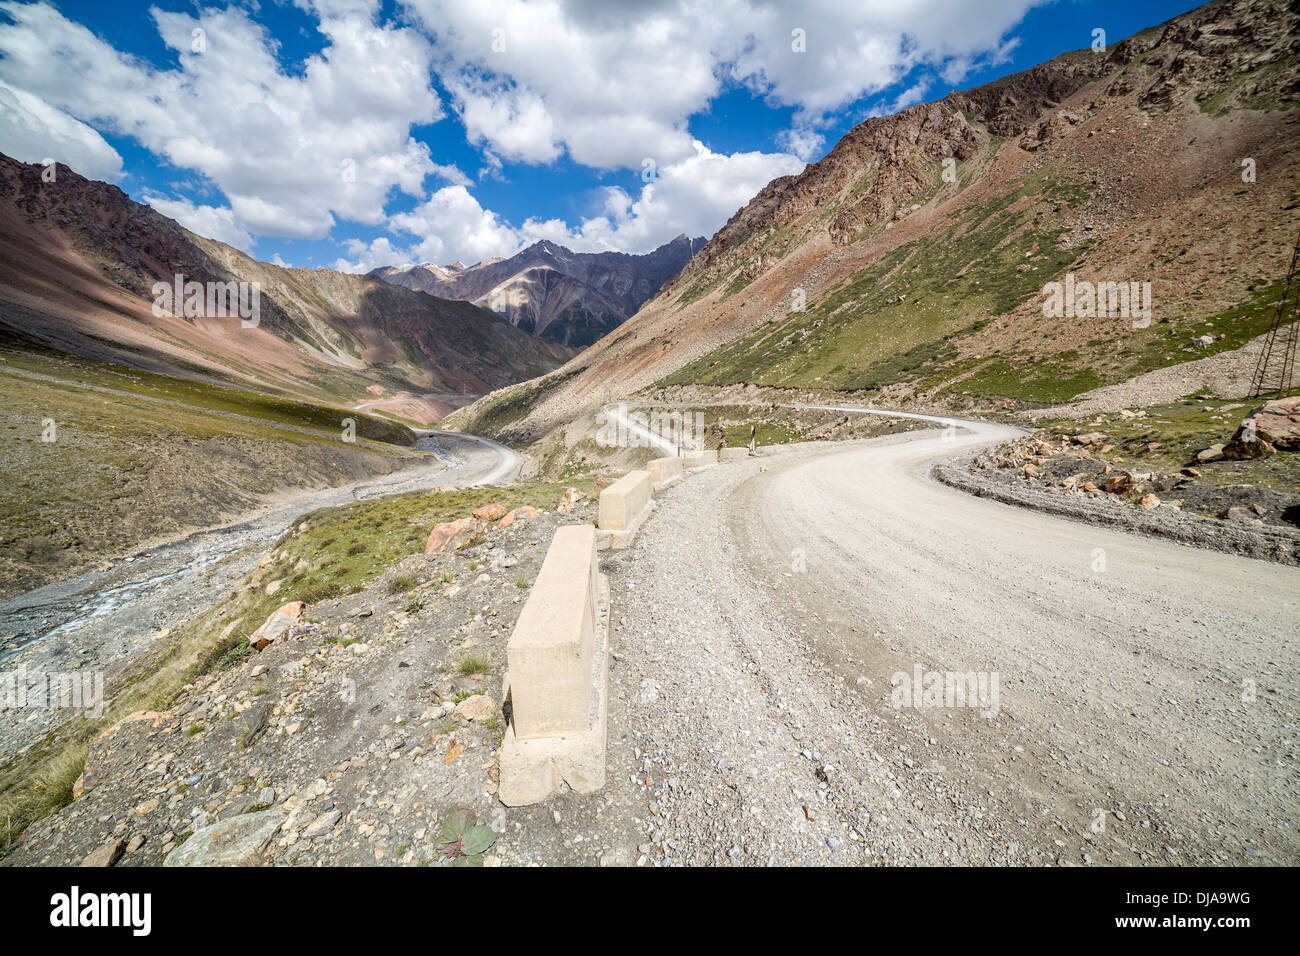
[1275, 368]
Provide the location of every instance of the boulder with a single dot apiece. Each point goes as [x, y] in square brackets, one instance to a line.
[106, 855]
[323, 824]
[480, 707]
[237, 841]
[1213, 453]
[1149, 501]
[1278, 423]
[490, 512]
[275, 626]
[451, 535]
[518, 514]
[1092, 438]
[1118, 484]
[1247, 446]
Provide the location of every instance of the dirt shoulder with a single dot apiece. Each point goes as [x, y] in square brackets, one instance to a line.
[374, 716]
[1072, 478]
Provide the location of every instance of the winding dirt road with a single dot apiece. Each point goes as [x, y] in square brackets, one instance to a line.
[1146, 692]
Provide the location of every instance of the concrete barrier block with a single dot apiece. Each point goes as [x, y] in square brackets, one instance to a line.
[623, 502]
[699, 459]
[531, 770]
[665, 472]
[733, 454]
[623, 506]
[550, 649]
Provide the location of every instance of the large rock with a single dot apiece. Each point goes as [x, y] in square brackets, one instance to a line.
[490, 512]
[275, 626]
[106, 855]
[1278, 423]
[323, 824]
[480, 707]
[1118, 484]
[239, 841]
[518, 514]
[451, 535]
[1247, 446]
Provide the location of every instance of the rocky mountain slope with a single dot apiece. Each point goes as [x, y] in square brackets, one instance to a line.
[908, 266]
[569, 297]
[79, 259]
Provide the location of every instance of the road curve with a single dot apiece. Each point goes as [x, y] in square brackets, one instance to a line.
[501, 471]
[1147, 691]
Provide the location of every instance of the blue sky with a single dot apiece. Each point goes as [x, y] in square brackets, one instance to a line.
[356, 133]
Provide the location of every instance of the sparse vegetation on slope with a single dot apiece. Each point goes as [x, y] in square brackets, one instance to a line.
[329, 553]
[136, 457]
[895, 319]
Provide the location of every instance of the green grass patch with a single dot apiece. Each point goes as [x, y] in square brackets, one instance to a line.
[895, 319]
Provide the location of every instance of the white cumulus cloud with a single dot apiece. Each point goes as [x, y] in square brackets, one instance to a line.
[33, 131]
[290, 151]
[213, 222]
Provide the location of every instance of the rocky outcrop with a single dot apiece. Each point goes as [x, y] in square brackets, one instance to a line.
[885, 162]
[1278, 422]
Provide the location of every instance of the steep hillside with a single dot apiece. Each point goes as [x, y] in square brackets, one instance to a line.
[79, 259]
[563, 296]
[125, 428]
[908, 266]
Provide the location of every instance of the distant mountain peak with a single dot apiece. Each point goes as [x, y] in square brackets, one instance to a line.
[569, 297]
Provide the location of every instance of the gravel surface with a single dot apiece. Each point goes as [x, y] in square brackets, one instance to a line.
[1147, 691]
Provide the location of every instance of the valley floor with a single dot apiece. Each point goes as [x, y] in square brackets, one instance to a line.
[105, 619]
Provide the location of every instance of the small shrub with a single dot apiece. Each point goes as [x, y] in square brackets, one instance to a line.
[400, 583]
[464, 841]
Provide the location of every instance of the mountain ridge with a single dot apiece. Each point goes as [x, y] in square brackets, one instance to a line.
[79, 258]
[906, 267]
[602, 291]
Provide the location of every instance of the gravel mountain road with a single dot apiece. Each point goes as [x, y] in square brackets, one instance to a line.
[1140, 696]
